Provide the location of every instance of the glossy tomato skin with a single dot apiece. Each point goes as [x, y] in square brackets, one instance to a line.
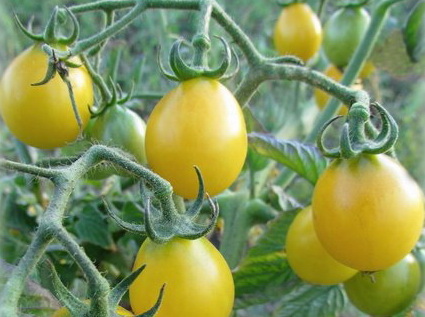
[198, 279]
[307, 257]
[121, 127]
[392, 291]
[42, 116]
[298, 31]
[64, 312]
[343, 32]
[197, 123]
[368, 212]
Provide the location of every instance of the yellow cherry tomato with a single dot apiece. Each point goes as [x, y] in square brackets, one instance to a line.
[198, 279]
[42, 116]
[368, 212]
[64, 312]
[197, 123]
[307, 257]
[298, 31]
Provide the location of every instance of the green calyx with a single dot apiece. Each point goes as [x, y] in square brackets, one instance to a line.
[50, 34]
[118, 98]
[164, 221]
[359, 135]
[199, 68]
[77, 307]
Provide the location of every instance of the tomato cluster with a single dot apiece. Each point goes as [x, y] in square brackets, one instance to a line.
[298, 32]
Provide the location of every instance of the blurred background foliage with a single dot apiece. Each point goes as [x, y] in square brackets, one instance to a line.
[284, 108]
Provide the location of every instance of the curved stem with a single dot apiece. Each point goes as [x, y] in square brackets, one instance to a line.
[98, 286]
[359, 58]
[73, 103]
[97, 79]
[83, 45]
[201, 40]
[50, 220]
[239, 37]
[29, 169]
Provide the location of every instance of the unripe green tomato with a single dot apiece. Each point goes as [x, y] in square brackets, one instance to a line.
[419, 254]
[119, 127]
[343, 33]
[387, 292]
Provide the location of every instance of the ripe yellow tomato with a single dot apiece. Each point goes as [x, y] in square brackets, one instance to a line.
[197, 123]
[368, 212]
[198, 279]
[64, 312]
[307, 257]
[42, 116]
[298, 31]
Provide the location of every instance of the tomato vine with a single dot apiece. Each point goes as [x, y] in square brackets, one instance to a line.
[164, 218]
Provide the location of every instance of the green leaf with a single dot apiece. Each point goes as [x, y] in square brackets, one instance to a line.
[305, 300]
[273, 240]
[265, 269]
[414, 32]
[252, 123]
[303, 159]
[280, 200]
[261, 271]
[92, 227]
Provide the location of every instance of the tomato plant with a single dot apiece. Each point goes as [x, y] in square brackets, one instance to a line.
[198, 279]
[368, 212]
[298, 31]
[343, 32]
[42, 116]
[307, 257]
[198, 123]
[386, 292]
[54, 213]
